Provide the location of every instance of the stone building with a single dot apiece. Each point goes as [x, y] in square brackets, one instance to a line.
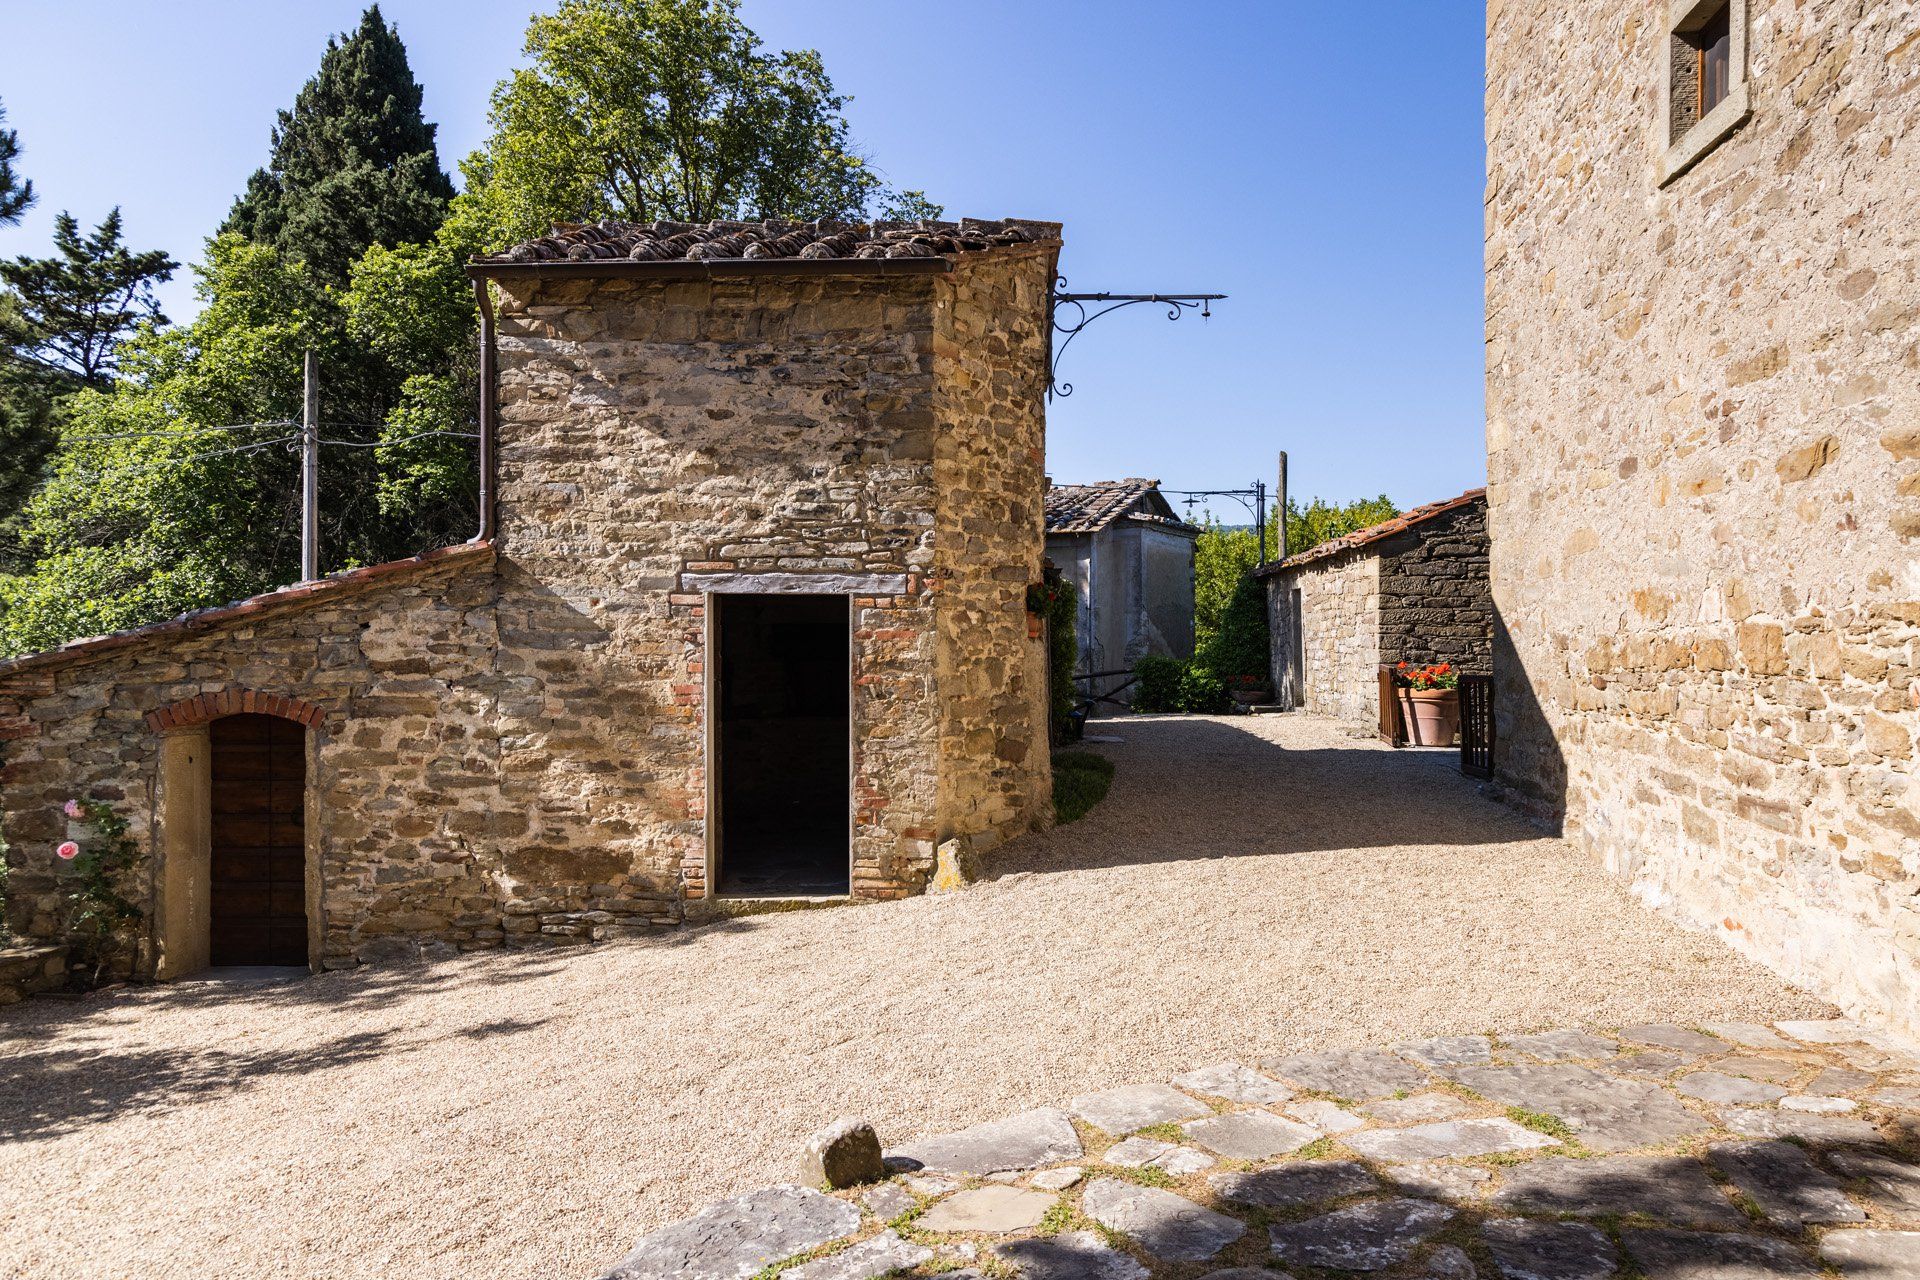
[747, 617]
[1703, 436]
[1130, 558]
[1410, 589]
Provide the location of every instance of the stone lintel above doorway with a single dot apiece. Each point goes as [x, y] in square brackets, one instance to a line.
[796, 584]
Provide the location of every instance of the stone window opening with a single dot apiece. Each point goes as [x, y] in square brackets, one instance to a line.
[781, 747]
[1705, 95]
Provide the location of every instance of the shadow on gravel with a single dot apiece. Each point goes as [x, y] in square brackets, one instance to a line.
[1192, 787]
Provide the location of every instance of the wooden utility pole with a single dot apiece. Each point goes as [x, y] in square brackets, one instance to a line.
[310, 473]
[1280, 502]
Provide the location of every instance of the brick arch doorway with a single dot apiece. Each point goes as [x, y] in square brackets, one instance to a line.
[257, 856]
[238, 880]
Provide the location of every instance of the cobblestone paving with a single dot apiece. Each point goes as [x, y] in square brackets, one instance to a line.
[1567, 1155]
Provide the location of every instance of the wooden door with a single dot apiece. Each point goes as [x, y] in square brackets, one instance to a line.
[259, 872]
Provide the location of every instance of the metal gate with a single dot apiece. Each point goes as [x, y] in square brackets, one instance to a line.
[1476, 726]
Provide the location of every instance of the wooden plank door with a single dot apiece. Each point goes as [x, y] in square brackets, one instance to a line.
[259, 872]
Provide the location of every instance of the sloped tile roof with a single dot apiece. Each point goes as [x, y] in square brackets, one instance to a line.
[1375, 532]
[286, 598]
[1088, 508]
[771, 241]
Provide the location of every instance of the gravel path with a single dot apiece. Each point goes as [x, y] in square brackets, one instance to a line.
[1250, 886]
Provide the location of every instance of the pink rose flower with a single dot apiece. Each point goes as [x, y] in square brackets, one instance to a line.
[68, 851]
[74, 810]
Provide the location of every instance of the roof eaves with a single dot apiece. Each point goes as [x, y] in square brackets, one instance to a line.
[270, 602]
[1373, 533]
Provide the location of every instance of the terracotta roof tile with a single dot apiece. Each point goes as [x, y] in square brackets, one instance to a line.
[1088, 508]
[271, 601]
[1374, 532]
[761, 241]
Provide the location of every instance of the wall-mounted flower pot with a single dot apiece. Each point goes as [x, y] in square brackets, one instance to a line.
[1035, 625]
[1432, 716]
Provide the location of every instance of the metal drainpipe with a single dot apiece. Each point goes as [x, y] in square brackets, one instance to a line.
[489, 404]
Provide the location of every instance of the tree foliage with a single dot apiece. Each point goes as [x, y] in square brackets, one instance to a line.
[354, 162]
[667, 110]
[69, 312]
[1322, 521]
[16, 192]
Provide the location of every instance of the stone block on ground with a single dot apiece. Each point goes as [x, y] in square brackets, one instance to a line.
[1441, 1180]
[1357, 1074]
[1609, 1113]
[1135, 1106]
[1042, 1136]
[1826, 1031]
[1325, 1116]
[990, 1210]
[887, 1201]
[1528, 1249]
[1057, 1179]
[1363, 1237]
[1421, 1108]
[1663, 1035]
[1819, 1105]
[1564, 1045]
[1836, 1080]
[1131, 1153]
[844, 1154]
[735, 1238]
[1715, 1086]
[1760, 1066]
[1245, 1273]
[1780, 1178]
[1447, 1262]
[1893, 1184]
[1295, 1182]
[1750, 1034]
[1235, 1083]
[1250, 1135]
[1170, 1227]
[1674, 1189]
[1448, 1051]
[1651, 1064]
[1751, 1122]
[1077, 1255]
[883, 1255]
[1872, 1255]
[1182, 1161]
[1665, 1254]
[1900, 1098]
[1446, 1140]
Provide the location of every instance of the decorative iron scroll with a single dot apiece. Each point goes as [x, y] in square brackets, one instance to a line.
[1476, 726]
[1067, 329]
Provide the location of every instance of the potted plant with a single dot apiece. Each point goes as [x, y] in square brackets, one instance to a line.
[1429, 703]
[1249, 691]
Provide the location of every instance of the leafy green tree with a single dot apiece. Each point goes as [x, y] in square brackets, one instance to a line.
[354, 162]
[667, 110]
[1322, 521]
[16, 193]
[69, 312]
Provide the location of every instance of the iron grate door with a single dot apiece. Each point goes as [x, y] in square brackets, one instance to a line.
[1476, 726]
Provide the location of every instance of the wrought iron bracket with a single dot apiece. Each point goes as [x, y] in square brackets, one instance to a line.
[1088, 307]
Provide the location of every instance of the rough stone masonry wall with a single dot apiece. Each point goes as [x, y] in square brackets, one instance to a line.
[1704, 468]
[990, 343]
[1339, 633]
[653, 437]
[1436, 604]
[400, 768]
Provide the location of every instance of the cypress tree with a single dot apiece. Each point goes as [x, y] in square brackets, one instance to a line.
[354, 162]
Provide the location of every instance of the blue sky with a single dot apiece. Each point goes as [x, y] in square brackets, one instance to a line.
[1326, 176]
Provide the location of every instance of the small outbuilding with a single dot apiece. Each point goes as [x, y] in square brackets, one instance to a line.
[1130, 558]
[1412, 589]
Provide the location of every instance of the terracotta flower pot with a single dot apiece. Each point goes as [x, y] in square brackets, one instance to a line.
[1432, 716]
[1035, 625]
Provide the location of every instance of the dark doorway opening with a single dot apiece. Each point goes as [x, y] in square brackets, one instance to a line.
[782, 688]
[258, 877]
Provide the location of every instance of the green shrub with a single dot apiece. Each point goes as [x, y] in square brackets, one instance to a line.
[1080, 781]
[1203, 691]
[1059, 604]
[1242, 644]
[1158, 686]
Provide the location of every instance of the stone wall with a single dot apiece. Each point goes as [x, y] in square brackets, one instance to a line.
[991, 341]
[1436, 604]
[401, 764]
[1337, 674]
[1703, 426]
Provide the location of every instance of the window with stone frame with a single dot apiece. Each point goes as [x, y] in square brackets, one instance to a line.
[1705, 85]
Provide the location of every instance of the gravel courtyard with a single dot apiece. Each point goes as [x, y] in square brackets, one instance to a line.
[1251, 886]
